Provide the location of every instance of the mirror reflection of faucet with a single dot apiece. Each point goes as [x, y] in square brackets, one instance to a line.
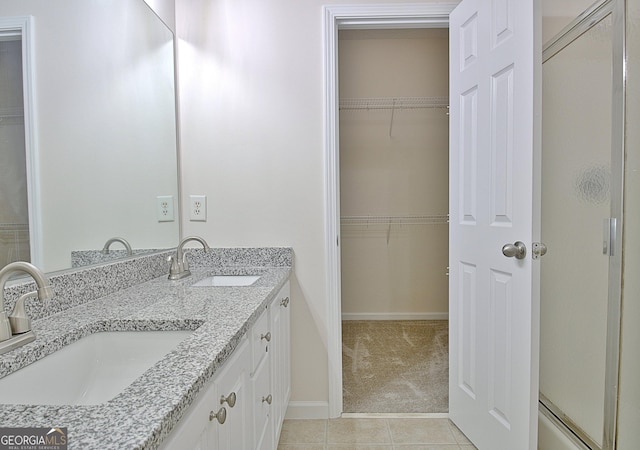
[179, 267]
[123, 241]
[15, 330]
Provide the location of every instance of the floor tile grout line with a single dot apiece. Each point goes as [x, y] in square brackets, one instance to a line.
[326, 433]
[386, 421]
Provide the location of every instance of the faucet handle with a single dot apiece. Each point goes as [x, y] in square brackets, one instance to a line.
[173, 267]
[5, 327]
[20, 322]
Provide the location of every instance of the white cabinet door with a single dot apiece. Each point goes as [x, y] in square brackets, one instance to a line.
[201, 427]
[233, 391]
[494, 318]
[195, 431]
[262, 401]
[281, 367]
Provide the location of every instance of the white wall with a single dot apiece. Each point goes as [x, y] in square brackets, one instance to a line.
[251, 99]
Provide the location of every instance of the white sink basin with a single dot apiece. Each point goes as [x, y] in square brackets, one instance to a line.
[228, 280]
[90, 371]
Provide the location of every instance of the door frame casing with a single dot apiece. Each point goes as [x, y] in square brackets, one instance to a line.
[419, 15]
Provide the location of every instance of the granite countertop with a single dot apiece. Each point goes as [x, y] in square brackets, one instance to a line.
[146, 412]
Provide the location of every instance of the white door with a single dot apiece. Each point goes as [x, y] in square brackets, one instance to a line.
[494, 92]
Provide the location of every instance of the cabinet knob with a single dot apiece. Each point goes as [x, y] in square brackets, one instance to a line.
[220, 416]
[284, 302]
[230, 399]
[267, 399]
[266, 337]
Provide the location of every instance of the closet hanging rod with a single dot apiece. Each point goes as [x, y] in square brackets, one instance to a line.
[393, 103]
[395, 220]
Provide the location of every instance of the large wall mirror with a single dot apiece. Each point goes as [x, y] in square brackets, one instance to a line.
[104, 128]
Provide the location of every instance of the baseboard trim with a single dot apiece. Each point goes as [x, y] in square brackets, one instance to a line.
[307, 410]
[396, 316]
[395, 415]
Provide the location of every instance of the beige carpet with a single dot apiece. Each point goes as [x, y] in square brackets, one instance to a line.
[395, 366]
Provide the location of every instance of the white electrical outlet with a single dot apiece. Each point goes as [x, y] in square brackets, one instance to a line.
[198, 208]
[164, 208]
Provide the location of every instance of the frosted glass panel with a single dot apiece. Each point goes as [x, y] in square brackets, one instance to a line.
[575, 200]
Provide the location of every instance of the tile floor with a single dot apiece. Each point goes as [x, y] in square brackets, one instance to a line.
[372, 434]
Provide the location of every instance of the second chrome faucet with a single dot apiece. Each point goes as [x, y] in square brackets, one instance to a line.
[179, 267]
[15, 330]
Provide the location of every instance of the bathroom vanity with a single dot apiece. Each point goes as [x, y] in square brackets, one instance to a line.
[243, 406]
[225, 386]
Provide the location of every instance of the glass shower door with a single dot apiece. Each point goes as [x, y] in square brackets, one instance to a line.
[576, 198]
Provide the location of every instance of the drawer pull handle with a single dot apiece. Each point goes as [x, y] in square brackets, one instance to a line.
[231, 399]
[221, 415]
[284, 302]
[266, 337]
[267, 399]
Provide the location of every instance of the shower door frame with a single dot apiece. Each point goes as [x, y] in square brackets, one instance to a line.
[569, 34]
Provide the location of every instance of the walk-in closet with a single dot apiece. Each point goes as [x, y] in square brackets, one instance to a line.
[393, 88]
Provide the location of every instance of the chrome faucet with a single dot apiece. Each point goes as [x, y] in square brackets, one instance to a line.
[15, 330]
[179, 265]
[123, 241]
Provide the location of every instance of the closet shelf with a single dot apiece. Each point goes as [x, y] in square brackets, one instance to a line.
[394, 220]
[393, 103]
[11, 112]
[14, 226]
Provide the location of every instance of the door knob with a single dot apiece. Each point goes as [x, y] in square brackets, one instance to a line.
[519, 250]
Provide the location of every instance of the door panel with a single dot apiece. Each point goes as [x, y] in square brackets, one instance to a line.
[502, 147]
[467, 380]
[493, 311]
[500, 348]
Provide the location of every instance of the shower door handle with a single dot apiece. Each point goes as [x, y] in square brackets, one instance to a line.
[518, 249]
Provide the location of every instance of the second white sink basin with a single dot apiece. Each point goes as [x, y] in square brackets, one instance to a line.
[91, 371]
[228, 280]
